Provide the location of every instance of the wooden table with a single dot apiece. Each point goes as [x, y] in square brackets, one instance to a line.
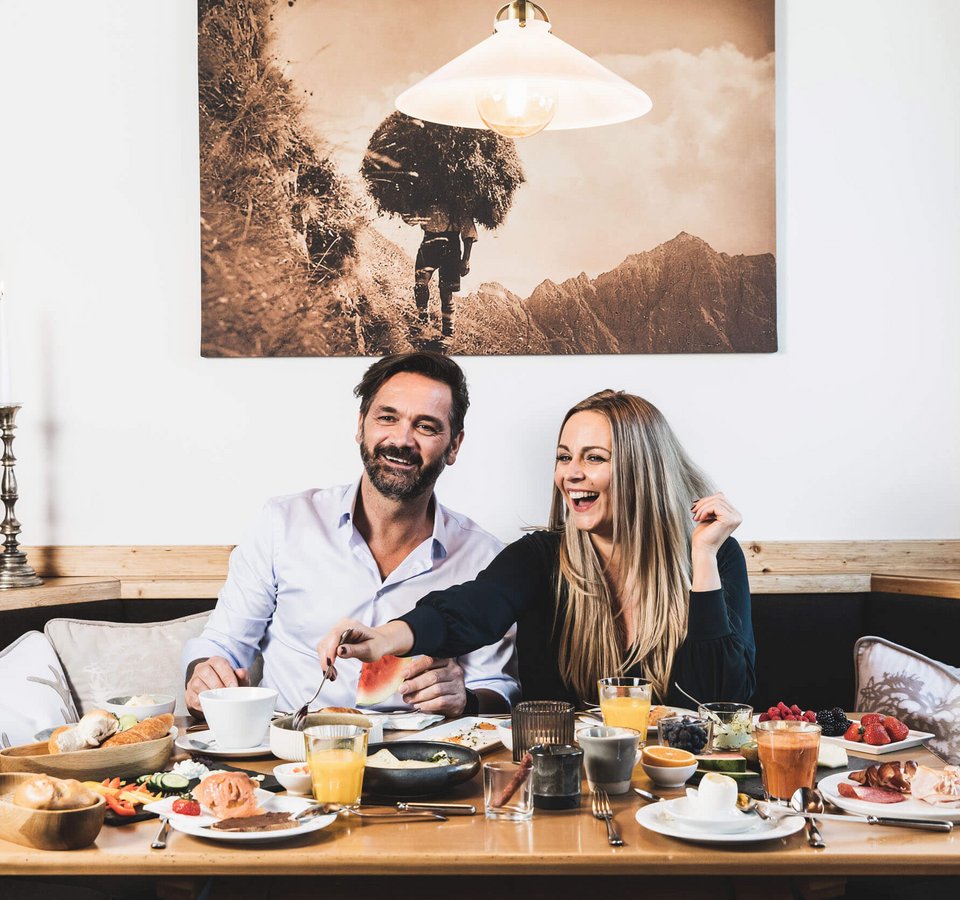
[554, 843]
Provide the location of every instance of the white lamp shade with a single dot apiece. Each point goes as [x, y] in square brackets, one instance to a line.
[588, 94]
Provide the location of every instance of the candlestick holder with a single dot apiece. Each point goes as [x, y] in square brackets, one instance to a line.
[14, 571]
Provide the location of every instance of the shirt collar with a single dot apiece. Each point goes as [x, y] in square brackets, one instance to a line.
[348, 503]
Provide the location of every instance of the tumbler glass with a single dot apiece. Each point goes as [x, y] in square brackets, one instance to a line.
[788, 757]
[541, 722]
[336, 755]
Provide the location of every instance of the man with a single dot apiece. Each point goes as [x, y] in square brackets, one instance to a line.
[368, 551]
[440, 249]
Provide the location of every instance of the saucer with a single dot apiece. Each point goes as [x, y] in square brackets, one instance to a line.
[653, 819]
[185, 742]
[684, 812]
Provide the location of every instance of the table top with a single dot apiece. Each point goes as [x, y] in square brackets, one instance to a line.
[555, 843]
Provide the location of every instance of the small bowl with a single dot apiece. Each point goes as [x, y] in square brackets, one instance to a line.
[295, 782]
[690, 733]
[47, 829]
[732, 724]
[403, 784]
[505, 733]
[669, 776]
[118, 706]
[285, 743]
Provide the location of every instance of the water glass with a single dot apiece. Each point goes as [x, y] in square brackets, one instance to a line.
[732, 723]
[541, 722]
[336, 755]
[788, 757]
[625, 703]
[556, 776]
[507, 791]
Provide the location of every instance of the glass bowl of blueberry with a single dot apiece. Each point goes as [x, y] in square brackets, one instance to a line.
[691, 733]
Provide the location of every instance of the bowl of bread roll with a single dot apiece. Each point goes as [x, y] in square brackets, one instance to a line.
[49, 813]
[96, 747]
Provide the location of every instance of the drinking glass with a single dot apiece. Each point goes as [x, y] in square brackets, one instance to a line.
[507, 791]
[556, 776]
[336, 755]
[732, 723]
[625, 703]
[541, 722]
[788, 757]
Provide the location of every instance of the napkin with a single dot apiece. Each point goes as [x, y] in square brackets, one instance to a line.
[405, 721]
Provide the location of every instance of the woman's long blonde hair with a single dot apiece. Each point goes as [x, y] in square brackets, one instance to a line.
[653, 484]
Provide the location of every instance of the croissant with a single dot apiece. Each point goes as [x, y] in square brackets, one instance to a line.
[147, 730]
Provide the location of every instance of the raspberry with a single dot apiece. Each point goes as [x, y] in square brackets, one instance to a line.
[876, 735]
[854, 733]
[772, 710]
[796, 710]
[764, 717]
[895, 728]
[810, 715]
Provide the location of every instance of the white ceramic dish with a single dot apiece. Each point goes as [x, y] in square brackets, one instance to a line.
[913, 739]
[505, 733]
[684, 811]
[189, 743]
[669, 776]
[294, 782]
[197, 825]
[468, 730]
[908, 809]
[651, 817]
[118, 706]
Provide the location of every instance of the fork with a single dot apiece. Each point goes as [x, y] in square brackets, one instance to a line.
[300, 716]
[601, 810]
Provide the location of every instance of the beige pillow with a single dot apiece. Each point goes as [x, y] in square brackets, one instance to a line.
[109, 659]
[923, 693]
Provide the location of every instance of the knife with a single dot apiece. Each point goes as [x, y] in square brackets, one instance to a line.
[925, 824]
[451, 809]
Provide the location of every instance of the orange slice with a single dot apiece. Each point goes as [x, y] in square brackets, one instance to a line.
[669, 757]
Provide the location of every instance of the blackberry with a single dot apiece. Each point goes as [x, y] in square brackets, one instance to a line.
[834, 722]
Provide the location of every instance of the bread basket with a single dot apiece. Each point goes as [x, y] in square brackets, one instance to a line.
[47, 829]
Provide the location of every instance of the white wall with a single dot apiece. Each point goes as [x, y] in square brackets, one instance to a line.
[127, 436]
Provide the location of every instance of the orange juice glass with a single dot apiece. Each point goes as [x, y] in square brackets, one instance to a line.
[788, 757]
[625, 703]
[336, 755]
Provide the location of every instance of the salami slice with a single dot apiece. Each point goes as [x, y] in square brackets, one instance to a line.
[870, 794]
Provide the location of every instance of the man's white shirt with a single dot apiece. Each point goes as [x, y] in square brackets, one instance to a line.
[304, 566]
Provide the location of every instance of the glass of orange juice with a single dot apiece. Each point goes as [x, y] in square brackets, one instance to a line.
[625, 703]
[336, 755]
[788, 757]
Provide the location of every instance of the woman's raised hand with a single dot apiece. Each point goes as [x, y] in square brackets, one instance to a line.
[715, 521]
[349, 639]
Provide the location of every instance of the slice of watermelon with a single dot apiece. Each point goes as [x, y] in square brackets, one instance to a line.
[379, 681]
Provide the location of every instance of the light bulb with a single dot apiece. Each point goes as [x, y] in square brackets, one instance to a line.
[517, 107]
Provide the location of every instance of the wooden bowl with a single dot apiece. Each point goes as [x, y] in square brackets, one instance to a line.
[123, 761]
[47, 829]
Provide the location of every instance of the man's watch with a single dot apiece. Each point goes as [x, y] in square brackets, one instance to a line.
[472, 705]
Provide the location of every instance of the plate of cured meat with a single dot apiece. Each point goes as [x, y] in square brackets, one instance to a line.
[897, 790]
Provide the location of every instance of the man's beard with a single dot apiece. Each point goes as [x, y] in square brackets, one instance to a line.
[400, 485]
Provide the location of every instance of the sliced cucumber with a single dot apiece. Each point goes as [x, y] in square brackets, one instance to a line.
[172, 783]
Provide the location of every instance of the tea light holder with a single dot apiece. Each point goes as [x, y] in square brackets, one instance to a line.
[14, 571]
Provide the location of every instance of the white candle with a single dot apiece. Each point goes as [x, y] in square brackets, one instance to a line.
[6, 391]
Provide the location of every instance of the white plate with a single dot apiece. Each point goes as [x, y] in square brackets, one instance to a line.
[913, 739]
[195, 825]
[651, 817]
[908, 809]
[480, 740]
[206, 737]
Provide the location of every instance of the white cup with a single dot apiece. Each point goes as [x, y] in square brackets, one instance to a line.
[609, 755]
[238, 716]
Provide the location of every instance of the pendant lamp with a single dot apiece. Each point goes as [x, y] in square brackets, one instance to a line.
[522, 80]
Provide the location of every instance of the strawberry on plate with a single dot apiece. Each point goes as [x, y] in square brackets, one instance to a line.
[854, 733]
[871, 719]
[875, 735]
[895, 728]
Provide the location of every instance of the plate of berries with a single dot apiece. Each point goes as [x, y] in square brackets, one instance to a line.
[876, 733]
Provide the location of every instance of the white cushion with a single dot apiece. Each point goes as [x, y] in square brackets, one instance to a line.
[110, 659]
[921, 692]
[35, 693]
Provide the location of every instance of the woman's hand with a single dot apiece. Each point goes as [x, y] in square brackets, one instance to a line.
[715, 521]
[350, 639]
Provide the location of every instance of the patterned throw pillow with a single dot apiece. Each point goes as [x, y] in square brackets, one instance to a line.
[107, 659]
[35, 693]
[922, 692]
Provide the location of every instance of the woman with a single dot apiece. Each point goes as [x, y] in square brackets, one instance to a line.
[637, 575]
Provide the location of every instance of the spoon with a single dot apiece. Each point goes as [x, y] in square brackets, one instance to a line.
[808, 800]
[712, 716]
[746, 804]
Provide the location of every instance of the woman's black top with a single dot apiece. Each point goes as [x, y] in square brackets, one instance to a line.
[715, 661]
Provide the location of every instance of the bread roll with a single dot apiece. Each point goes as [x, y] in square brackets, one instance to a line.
[147, 730]
[67, 739]
[46, 792]
[91, 731]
